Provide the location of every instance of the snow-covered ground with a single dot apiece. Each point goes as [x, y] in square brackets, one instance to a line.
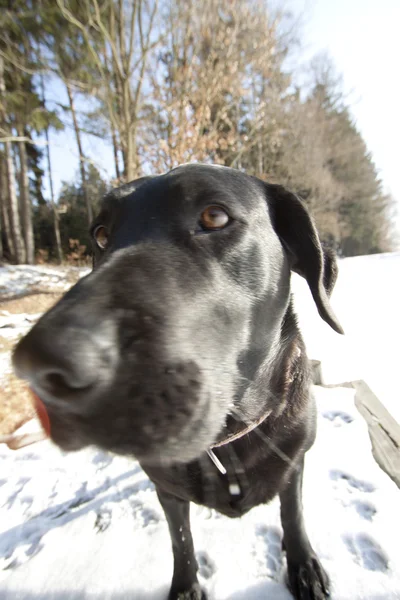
[88, 525]
[17, 279]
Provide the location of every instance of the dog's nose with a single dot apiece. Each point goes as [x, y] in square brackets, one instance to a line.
[61, 362]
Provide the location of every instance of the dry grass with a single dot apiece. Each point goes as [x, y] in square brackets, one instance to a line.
[6, 345]
[31, 304]
[15, 399]
[15, 404]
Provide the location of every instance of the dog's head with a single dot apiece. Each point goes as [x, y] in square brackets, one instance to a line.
[191, 280]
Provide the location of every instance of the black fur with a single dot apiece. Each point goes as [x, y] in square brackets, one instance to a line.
[182, 337]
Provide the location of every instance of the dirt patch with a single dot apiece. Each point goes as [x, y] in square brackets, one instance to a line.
[15, 399]
[15, 404]
[17, 282]
[31, 304]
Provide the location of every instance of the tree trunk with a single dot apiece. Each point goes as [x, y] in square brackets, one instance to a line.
[129, 166]
[81, 155]
[2, 190]
[1, 227]
[20, 255]
[115, 149]
[130, 156]
[1, 208]
[26, 202]
[5, 218]
[9, 195]
[260, 158]
[56, 217]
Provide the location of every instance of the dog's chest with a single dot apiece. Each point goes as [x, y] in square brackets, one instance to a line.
[232, 493]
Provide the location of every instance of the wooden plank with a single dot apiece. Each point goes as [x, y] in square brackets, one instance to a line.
[316, 372]
[365, 395]
[384, 430]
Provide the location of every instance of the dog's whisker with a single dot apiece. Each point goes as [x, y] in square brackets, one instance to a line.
[267, 440]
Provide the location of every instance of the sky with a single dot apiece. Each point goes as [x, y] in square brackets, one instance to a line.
[362, 38]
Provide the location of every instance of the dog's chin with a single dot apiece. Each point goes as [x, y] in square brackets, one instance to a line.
[177, 450]
[165, 455]
[174, 455]
[183, 448]
[67, 438]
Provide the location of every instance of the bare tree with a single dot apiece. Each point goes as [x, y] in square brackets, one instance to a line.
[56, 218]
[11, 210]
[16, 232]
[4, 220]
[212, 55]
[82, 157]
[5, 217]
[1, 209]
[119, 37]
[5, 213]
[26, 204]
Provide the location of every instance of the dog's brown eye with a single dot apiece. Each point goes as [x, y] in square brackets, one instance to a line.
[100, 234]
[214, 217]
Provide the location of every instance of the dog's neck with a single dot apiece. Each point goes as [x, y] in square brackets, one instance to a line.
[239, 434]
[231, 438]
[293, 351]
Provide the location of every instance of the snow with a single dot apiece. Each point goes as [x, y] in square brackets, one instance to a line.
[17, 279]
[89, 525]
[13, 326]
[5, 365]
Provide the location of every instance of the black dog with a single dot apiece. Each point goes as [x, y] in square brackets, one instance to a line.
[182, 349]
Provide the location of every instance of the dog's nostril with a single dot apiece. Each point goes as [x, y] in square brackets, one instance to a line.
[56, 380]
[56, 370]
[60, 381]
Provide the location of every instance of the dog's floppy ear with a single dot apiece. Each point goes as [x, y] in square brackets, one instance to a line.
[330, 269]
[299, 237]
